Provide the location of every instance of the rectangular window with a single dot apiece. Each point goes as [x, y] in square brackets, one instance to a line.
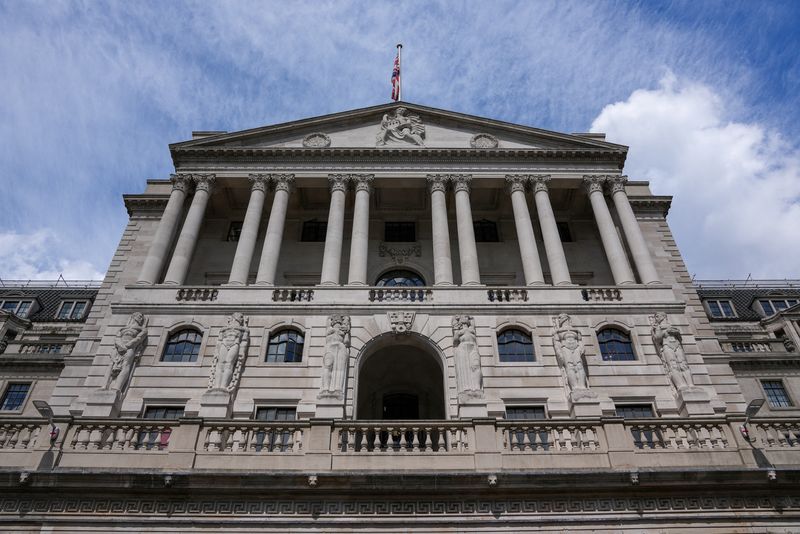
[72, 309]
[272, 413]
[525, 412]
[163, 412]
[234, 231]
[720, 308]
[274, 440]
[776, 394]
[399, 231]
[314, 231]
[14, 396]
[485, 231]
[17, 307]
[634, 411]
[773, 306]
[564, 232]
[156, 438]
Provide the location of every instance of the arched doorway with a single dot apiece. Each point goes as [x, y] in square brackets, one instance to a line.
[400, 377]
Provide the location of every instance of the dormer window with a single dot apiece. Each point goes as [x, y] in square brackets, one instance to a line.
[20, 308]
[720, 308]
[72, 309]
[772, 306]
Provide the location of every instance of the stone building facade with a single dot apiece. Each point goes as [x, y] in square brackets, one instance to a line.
[401, 318]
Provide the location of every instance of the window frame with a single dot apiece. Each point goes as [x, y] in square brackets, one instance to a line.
[533, 406]
[399, 231]
[72, 303]
[523, 330]
[276, 331]
[785, 302]
[323, 225]
[398, 269]
[789, 397]
[479, 227]
[234, 231]
[633, 403]
[165, 335]
[20, 301]
[635, 350]
[21, 408]
[717, 301]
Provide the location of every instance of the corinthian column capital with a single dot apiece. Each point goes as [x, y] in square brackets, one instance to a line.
[594, 182]
[258, 182]
[540, 182]
[181, 182]
[437, 182]
[204, 182]
[338, 182]
[282, 182]
[362, 182]
[461, 182]
[517, 182]
[617, 183]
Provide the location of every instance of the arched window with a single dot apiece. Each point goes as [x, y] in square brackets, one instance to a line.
[400, 277]
[285, 346]
[182, 346]
[515, 346]
[615, 345]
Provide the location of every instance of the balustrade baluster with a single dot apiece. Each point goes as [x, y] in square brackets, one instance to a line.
[12, 442]
[415, 445]
[213, 439]
[94, 439]
[440, 440]
[428, 443]
[25, 437]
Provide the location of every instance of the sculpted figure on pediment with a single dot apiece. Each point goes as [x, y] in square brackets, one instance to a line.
[128, 347]
[568, 344]
[669, 346]
[337, 354]
[232, 344]
[401, 126]
[469, 375]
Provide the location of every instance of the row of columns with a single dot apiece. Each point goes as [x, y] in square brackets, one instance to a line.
[438, 184]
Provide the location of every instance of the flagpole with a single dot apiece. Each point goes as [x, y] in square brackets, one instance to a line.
[400, 81]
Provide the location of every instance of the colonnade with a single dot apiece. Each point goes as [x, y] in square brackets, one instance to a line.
[438, 184]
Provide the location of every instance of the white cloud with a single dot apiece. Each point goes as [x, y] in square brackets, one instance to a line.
[736, 209]
[33, 257]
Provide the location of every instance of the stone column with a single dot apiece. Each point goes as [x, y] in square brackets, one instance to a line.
[531, 264]
[442, 262]
[359, 242]
[156, 256]
[184, 248]
[467, 251]
[271, 250]
[332, 257]
[559, 271]
[247, 239]
[620, 269]
[633, 232]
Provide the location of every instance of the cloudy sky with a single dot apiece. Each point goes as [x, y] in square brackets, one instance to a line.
[706, 96]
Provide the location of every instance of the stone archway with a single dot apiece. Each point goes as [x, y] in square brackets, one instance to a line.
[400, 377]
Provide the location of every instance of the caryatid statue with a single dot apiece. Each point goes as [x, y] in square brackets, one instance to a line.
[128, 347]
[337, 354]
[669, 346]
[568, 343]
[469, 375]
[232, 344]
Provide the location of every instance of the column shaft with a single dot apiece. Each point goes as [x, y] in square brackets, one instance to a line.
[332, 257]
[165, 233]
[620, 269]
[184, 248]
[442, 262]
[468, 252]
[633, 233]
[247, 239]
[359, 242]
[559, 270]
[271, 250]
[531, 264]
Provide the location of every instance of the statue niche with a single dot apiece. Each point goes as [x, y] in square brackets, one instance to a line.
[231, 352]
[128, 347]
[337, 354]
[568, 344]
[669, 346]
[401, 127]
[469, 375]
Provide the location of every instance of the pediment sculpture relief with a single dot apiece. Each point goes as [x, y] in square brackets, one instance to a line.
[128, 347]
[484, 140]
[469, 375]
[232, 344]
[317, 140]
[400, 126]
[337, 354]
[568, 344]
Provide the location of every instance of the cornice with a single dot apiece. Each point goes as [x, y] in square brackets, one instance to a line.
[765, 362]
[651, 205]
[145, 205]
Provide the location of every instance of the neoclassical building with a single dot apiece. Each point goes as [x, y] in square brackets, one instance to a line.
[400, 318]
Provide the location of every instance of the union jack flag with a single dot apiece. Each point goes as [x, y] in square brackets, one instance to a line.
[396, 78]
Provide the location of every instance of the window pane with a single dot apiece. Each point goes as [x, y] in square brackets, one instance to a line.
[767, 307]
[182, 346]
[276, 414]
[485, 231]
[515, 346]
[23, 308]
[400, 277]
[634, 411]
[525, 412]
[11, 305]
[77, 310]
[14, 396]
[400, 231]
[779, 304]
[726, 308]
[234, 231]
[66, 309]
[285, 346]
[714, 308]
[776, 393]
[615, 345]
[163, 412]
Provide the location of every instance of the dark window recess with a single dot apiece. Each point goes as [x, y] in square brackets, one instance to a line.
[776, 394]
[400, 277]
[182, 346]
[234, 231]
[400, 231]
[515, 346]
[525, 412]
[14, 396]
[274, 440]
[163, 412]
[157, 438]
[564, 232]
[485, 231]
[634, 411]
[285, 346]
[615, 345]
[314, 231]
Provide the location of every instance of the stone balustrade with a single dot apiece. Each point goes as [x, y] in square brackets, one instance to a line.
[255, 437]
[673, 436]
[754, 345]
[292, 295]
[606, 294]
[119, 436]
[196, 293]
[403, 437]
[776, 435]
[41, 347]
[546, 437]
[18, 436]
[507, 295]
[400, 294]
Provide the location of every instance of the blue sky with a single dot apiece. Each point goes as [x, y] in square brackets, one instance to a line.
[704, 93]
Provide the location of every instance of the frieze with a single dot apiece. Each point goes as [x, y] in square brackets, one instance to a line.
[399, 254]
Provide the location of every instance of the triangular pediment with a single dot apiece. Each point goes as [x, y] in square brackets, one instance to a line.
[386, 126]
